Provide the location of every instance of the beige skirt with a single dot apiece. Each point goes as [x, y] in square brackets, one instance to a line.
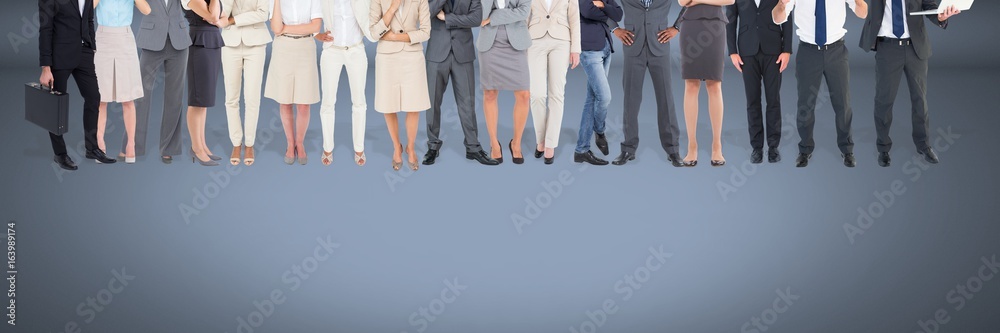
[401, 82]
[117, 64]
[293, 75]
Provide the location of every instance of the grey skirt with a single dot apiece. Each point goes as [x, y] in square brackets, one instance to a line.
[502, 67]
[703, 49]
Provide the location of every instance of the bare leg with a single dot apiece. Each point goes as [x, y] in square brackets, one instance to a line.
[128, 115]
[412, 122]
[392, 124]
[102, 122]
[288, 123]
[691, 90]
[491, 113]
[522, 100]
[301, 125]
[196, 129]
[715, 108]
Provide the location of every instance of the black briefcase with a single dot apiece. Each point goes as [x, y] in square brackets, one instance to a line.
[46, 108]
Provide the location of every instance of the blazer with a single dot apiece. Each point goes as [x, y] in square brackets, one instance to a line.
[360, 9]
[164, 20]
[751, 29]
[594, 30]
[63, 33]
[645, 24]
[454, 34]
[514, 17]
[561, 21]
[415, 22]
[250, 28]
[918, 33]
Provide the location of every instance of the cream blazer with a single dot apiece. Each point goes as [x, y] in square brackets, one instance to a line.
[250, 16]
[561, 21]
[415, 22]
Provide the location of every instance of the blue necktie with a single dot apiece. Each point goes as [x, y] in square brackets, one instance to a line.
[897, 18]
[820, 22]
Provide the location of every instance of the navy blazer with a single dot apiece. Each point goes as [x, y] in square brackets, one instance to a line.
[594, 31]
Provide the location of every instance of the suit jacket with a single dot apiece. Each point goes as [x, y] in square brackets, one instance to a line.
[514, 17]
[415, 22]
[360, 9]
[561, 21]
[454, 34]
[645, 24]
[751, 29]
[250, 28]
[918, 33]
[164, 20]
[594, 31]
[63, 33]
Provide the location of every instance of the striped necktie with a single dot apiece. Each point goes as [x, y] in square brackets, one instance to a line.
[646, 3]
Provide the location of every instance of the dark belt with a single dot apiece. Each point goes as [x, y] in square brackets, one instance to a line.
[823, 47]
[900, 42]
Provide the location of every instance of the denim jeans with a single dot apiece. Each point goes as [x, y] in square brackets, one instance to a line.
[595, 109]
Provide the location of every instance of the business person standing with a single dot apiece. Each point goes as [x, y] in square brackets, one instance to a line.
[66, 48]
[243, 57]
[822, 54]
[645, 32]
[703, 57]
[163, 43]
[760, 50]
[400, 69]
[597, 47]
[503, 65]
[554, 26]
[901, 46]
[347, 25]
[204, 64]
[451, 54]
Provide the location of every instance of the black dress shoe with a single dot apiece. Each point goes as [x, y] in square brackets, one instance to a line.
[623, 158]
[517, 160]
[482, 157]
[803, 160]
[675, 160]
[930, 155]
[849, 160]
[757, 156]
[588, 157]
[602, 143]
[883, 159]
[430, 157]
[773, 156]
[550, 160]
[65, 162]
[539, 153]
[98, 155]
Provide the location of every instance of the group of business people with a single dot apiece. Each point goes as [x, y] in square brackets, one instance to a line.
[524, 46]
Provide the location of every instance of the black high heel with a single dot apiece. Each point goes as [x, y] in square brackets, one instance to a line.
[539, 153]
[717, 163]
[690, 163]
[517, 160]
[499, 159]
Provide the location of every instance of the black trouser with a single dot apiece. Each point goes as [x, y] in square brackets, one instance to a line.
[86, 80]
[756, 69]
[893, 58]
[811, 66]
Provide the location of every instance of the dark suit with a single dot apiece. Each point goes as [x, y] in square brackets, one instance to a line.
[451, 54]
[752, 34]
[893, 58]
[66, 44]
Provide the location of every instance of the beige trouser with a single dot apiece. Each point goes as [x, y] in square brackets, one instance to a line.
[333, 60]
[243, 65]
[548, 61]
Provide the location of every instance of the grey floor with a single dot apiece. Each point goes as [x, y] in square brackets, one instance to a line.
[534, 248]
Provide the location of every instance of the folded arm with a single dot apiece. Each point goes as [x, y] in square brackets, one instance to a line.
[259, 14]
[511, 14]
[423, 32]
[470, 20]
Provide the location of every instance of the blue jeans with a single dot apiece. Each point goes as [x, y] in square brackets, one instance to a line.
[595, 109]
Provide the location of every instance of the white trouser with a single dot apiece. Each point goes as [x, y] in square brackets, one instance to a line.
[243, 65]
[333, 60]
[548, 61]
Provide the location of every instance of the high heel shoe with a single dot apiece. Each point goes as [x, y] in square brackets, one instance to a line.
[129, 160]
[499, 159]
[360, 159]
[214, 158]
[248, 156]
[690, 163]
[194, 157]
[397, 165]
[517, 160]
[413, 165]
[290, 160]
[539, 153]
[717, 163]
[234, 158]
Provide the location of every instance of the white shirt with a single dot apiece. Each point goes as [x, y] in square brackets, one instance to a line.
[501, 4]
[805, 19]
[296, 12]
[81, 3]
[758, 2]
[886, 30]
[343, 26]
[166, 3]
[548, 4]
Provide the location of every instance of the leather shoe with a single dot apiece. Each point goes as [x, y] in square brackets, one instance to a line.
[773, 156]
[602, 143]
[930, 155]
[803, 160]
[676, 160]
[481, 157]
[849, 160]
[65, 162]
[430, 157]
[757, 156]
[589, 158]
[623, 158]
[883, 159]
[99, 156]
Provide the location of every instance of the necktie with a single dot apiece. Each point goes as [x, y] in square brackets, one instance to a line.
[897, 18]
[820, 22]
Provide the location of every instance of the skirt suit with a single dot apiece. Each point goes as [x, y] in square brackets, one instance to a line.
[400, 68]
[204, 60]
[504, 66]
[117, 58]
[703, 42]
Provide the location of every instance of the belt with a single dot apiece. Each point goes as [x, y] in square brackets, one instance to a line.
[901, 42]
[345, 48]
[825, 47]
[296, 36]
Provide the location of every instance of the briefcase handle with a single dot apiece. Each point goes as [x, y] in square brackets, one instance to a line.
[37, 85]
